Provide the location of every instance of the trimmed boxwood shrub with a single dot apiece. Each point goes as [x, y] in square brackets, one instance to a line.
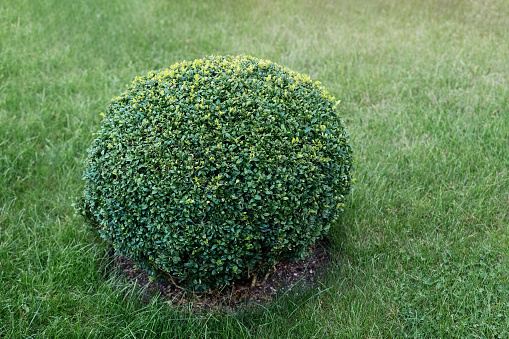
[216, 169]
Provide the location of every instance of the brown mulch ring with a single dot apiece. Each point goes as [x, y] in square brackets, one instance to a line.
[286, 276]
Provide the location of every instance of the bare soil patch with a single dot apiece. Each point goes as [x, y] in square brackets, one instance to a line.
[286, 276]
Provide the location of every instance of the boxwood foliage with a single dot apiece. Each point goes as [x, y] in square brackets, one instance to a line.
[216, 169]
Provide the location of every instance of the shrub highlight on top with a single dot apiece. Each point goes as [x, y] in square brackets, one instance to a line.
[216, 169]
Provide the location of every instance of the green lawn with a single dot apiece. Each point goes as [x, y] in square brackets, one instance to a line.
[422, 249]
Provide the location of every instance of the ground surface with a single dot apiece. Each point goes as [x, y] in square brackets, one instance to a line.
[422, 248]
[286, 276]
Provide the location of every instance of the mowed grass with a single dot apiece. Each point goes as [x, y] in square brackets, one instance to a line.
[422, 249]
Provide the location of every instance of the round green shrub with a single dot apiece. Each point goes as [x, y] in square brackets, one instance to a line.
[216, 169]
